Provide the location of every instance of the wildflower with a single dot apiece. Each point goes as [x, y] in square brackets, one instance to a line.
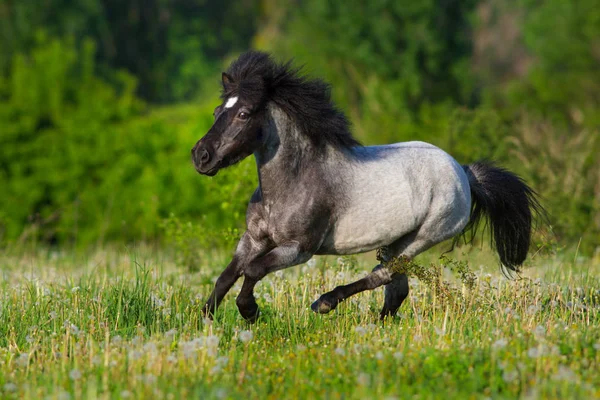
[440, 332]
[379, 355]
[75, 289]
[510, 376]
[340, 352]
[9, 387]
[357, 348]
[360, 330]
[23, 360]
[149, 379]
[212, 341]
[116, 340]
[246, 336]
[533, 309]
[135, 354]
[565, 373]
[398, 356]
[534, 352]
[539, 331]
[499, 344]
[170, 334]
[597, 346]
[75, 374]
[52, 314]
[363, 379]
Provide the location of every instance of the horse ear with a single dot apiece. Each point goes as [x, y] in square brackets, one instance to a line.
[227, 79]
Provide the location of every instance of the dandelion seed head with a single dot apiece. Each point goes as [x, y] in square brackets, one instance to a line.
[75, 374]
[510, 376]
[360, 330]
[539, 331]
[9, 387]
[363, 379]
[340, 352]
[246, 336]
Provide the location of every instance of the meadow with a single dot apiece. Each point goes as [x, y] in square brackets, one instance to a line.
[126, 323]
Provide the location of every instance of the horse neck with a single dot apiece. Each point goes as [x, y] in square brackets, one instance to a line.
[287, 156]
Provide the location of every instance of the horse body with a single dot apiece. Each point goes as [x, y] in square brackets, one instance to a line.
[321, 192]
[393, 190]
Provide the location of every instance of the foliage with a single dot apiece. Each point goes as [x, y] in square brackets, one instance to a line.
[88, 168]
[83, 160]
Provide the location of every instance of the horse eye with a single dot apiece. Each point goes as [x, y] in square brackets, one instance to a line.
[243, 115]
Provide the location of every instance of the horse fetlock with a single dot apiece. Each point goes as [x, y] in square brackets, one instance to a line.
[326, 303]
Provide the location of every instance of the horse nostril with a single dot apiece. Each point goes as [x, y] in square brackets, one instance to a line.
[204, 156]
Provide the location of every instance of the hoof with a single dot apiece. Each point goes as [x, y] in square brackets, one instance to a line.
[250, 313]
[323, 306]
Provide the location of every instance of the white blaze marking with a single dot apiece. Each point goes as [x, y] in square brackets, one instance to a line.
[231, 102]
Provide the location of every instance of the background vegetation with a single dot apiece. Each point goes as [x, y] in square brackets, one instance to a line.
[101, 100]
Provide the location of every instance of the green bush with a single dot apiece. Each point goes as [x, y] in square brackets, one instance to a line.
[81, 164]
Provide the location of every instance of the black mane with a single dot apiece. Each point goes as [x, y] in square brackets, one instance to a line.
[257, 77]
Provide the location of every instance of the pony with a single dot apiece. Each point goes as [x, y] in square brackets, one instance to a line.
[321, 192]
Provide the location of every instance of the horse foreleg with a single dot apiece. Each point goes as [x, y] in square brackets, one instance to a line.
[284, 256]
[329, 301]
[247, 249]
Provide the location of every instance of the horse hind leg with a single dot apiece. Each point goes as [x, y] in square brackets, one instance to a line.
[410, 246]
[330, 300]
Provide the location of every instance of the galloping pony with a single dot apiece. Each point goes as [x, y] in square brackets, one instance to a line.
[321, 192]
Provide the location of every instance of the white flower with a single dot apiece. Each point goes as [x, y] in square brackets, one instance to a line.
[360, 330]
[116, 340]
[246, 336]
[340, 352]
[534, 352]
[212, 341]
[398, 355]
[379, 355]
[510, 376]
[499, 344]
[23, 360]
[75, 374]
[9, 387]
[363, 379]
[135, 354]
[565, 373]
[75, 289]
[539, 331]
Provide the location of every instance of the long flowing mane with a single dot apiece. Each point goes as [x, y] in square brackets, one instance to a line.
[307, 101]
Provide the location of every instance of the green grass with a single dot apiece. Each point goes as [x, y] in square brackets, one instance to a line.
[127, 324]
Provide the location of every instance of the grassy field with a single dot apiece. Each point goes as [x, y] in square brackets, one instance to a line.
[126, 324]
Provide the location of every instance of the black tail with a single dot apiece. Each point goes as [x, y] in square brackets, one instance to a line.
[509, 205]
